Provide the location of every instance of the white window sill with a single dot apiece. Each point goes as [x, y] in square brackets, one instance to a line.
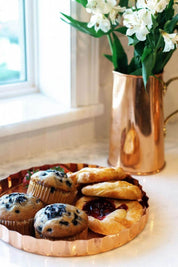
[36, 111]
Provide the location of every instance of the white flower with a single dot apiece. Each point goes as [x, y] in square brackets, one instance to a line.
[153, 5]
[114, 14]
[94, 6]
[100, 22]
[170, 40]
[100, 6]
[110, 4]
[138, 23]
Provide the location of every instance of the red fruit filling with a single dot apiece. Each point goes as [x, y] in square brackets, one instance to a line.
[100, 208]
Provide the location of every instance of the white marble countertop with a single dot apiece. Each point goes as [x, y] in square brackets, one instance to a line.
[158, 243]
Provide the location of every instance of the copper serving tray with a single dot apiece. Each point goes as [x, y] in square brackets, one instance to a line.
[93, 245]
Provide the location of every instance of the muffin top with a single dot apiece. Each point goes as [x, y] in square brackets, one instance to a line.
[53, 178]
[19, 206]
[60, 220]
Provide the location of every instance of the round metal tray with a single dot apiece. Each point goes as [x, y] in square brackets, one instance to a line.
[93, 245]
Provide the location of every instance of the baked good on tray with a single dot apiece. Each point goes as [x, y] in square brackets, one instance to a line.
[107, 199]
[61, 221]
[114, 189]
[113, 223]
[128, 218]
[110, 216]
[52, 186]
[89, 175]
[17, 211]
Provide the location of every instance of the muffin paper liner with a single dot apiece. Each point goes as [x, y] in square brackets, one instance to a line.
[24, 227]
[94, 244]
[81, 235]
[44, 193]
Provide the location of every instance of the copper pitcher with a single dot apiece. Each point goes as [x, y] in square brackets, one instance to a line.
[137, 126]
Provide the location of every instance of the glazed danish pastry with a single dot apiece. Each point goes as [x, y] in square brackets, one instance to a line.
[113, 189]
[95, 175]
[110, 216]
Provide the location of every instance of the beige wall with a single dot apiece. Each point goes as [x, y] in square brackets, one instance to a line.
[52, 139]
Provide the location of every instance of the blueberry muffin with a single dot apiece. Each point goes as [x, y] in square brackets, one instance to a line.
[52, 186]
[60, 221]
[17, 211]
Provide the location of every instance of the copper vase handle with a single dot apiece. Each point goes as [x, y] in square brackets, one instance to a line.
[165, 87]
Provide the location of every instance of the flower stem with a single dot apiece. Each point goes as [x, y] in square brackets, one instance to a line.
[159, 42]
[110, 43]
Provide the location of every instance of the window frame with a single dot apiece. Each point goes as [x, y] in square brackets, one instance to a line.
[25, 87]
[83, 93]
[87, 56]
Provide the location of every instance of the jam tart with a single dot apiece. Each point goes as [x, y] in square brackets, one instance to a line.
[109, 216]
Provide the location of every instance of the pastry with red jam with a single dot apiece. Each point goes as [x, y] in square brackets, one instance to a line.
[109, 216]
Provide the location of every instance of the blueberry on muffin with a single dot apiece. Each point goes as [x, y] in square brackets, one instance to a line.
[17, 211]
[60, 221]
[52, 186]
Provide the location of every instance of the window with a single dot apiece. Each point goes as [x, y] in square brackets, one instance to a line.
[54, 50]
[12, 42]
[68, 59]
[54, 58]
[17, 62]
[61, 81]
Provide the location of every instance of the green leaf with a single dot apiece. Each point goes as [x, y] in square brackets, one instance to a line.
[161, 57]
[30, 173]
[82, 2]
[148, 63]
[82, 26]
[134, 65]
[119, 57]
[139, 49]
[159, 44]
[109, 57]
[137, 72]
[171, 24]
[132, 40]
[170, 5]
[57, 168]
[123, 3]
[166, 15]
[154, 21]
[161, 61]
[121, 30]
[146, 52]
